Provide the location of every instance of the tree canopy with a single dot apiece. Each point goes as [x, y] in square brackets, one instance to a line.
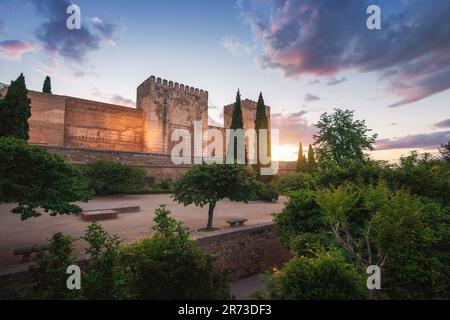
[47, 87]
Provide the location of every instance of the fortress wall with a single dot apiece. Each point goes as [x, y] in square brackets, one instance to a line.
[159, 166]
[96, 125]
[168, 106]
[47, 119]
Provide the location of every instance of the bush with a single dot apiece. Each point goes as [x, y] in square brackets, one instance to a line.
[171, 266]
[326, 276]
[166, 184]
[266, 192]
[107, 177]
[295, 181]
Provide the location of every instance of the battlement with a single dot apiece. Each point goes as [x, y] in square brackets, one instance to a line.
[245, 103]
[152, 81]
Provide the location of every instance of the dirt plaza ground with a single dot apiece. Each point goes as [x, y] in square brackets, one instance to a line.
[15, 233]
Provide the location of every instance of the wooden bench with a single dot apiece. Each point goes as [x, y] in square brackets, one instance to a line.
[99, 215]
[26, 252]
[234, 221]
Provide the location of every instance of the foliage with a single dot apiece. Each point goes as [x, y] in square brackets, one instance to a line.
[300, 215]
[15, 110]
[266, 192]
[103, 277]
[295, 181]
[444, 150]
[171, 266]
[325, 276]
[341, 138]
[261, 122]
[166, 184]
[49, 275]
[107, 177]
[47, 87]
[209, 183]
[36, 178]
[311, 158]
[237, 122]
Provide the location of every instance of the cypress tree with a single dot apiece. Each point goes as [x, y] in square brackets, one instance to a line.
[47, 88]
[15, 110]
[301, 160]
[261, 122]
[237, 121]
[311, 158]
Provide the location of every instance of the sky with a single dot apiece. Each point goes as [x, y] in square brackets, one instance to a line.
[307, 57]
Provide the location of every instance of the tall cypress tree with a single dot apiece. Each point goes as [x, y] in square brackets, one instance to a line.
[261, 122]
[301, 160]
[311, 158]
[47, 87]
[15, 110]
[237, 121]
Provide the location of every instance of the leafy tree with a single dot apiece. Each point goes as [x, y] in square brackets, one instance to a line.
[47, 87]
[237, 122]
[340, 137]
[295, 181]
[311, 158]
[261, 122]
[444, 150]
[209, 183]
[15, 110]
[324, 276]
[108, 177]
[171, 266]
[301, 161]
[36, 178]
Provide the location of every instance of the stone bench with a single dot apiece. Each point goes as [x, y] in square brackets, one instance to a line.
[234, 221]
[118, 209]
[26, 252]
[99, 215]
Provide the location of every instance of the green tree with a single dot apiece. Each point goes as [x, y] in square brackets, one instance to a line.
[444, 150]
[35, 178]
[261, 122]
[15, 110]
[237, 122]
[311, 158]
[341, 138]
[301, 161]
[209, 183]
[47, 87]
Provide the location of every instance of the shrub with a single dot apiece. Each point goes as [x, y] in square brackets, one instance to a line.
[166, 184]
[295, 181]
[171, 266]
[266, 192]
[325, 276]
[49, 275]
[107, 177]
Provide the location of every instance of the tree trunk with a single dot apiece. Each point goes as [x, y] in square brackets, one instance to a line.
[212, 205]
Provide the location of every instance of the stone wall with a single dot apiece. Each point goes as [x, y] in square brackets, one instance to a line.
[159, 166]
[102, 126]
[247, 251]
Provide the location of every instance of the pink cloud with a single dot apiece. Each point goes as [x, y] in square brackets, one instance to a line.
[13, 50]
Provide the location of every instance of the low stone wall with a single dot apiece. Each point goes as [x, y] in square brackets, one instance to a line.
[247, 251]
[241, 253]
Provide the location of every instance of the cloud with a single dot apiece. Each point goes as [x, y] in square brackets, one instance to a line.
[311, 97]
[293, 128]
[235, 46]
[335, 81]
[113, 98]
[214, 122]
[75, 44]
[411, 53]
[415, 141]
[3, 28]
[14, 49]
[444, 124]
